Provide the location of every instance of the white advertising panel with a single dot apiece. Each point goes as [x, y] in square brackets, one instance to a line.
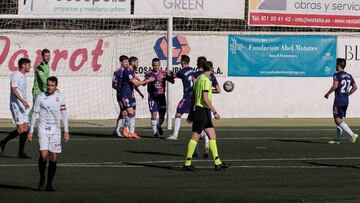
[348, 47]
[74, 7]
[192, 8]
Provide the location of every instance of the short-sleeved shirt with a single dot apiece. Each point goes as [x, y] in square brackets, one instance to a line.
[127, 87]
[187, 77]
[202, 84]
[49, 107]
[18, 80]
[117, 79]
[213, 79]
[158, 86]
[346, 81]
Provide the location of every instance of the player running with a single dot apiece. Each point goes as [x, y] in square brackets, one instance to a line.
[18, 107]
[127, 97]
[50, 107]
[344, 86]
[186, 74]
[156, 95]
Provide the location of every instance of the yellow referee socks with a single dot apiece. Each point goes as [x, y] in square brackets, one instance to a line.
[191, 148]
[214, 151]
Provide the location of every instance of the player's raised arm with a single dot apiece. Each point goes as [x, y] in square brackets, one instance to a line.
[170, 77]
[139, 92]
[137, 83]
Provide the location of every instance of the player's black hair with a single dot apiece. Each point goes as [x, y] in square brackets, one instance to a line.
[208, 66]
[133, 59]
[53, 79]
[341, 62]
[155, 60]
[23, 61]
[201, 60]
[44, 51]
[185, 59]
[123, 57]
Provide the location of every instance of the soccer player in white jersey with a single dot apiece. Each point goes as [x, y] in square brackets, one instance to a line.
[18, 107]
[50, 107]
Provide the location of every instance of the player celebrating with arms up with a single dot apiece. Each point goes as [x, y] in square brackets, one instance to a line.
[344, 86]
[50, 106]
[157, 99]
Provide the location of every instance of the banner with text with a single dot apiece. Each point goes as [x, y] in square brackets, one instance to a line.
[192, 8]
[74, 7]
[84, 62]
[313, 13]
[282, 56]
[96, 54]
[349, 48]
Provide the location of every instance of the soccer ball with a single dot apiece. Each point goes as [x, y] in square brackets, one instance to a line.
[228, 86]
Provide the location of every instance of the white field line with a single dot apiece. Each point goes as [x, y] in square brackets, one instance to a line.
[140, 163]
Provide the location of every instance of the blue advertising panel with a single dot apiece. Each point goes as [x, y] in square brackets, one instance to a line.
[281, 56]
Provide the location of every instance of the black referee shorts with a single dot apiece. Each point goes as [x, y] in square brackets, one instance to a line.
[201, 120]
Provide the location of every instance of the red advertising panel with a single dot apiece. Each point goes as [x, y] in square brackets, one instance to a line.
[305, 13]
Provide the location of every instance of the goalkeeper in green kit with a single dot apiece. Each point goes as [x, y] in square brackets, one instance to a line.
[41, 74]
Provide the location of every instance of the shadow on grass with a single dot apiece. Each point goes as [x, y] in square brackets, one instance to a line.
[173, 168]
[89, 134]
[299, 141]
[153, 153]
[15, 187]
[8, 157]
[332, 165]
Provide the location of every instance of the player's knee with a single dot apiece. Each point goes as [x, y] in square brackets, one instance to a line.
[22, 128]
[178, 115]
[195, 136]
[338, 121]
[44, 154]
[53, 156]
[131, 115]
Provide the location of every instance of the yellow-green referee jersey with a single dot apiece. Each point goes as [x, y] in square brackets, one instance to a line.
[202, 84]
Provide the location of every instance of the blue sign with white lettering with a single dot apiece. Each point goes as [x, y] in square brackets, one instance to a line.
[281, 56]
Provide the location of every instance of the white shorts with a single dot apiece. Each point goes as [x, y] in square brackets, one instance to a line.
[19, 113]
[50, 142]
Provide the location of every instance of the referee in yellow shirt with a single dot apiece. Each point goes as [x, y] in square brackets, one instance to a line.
[200, 116]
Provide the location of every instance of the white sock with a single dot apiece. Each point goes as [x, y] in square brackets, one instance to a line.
[206, 141]
[154, 125]
[119, 123]
[127, 122]
[339, 131]
[346, 128]
[177, 126]
[132, 125]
